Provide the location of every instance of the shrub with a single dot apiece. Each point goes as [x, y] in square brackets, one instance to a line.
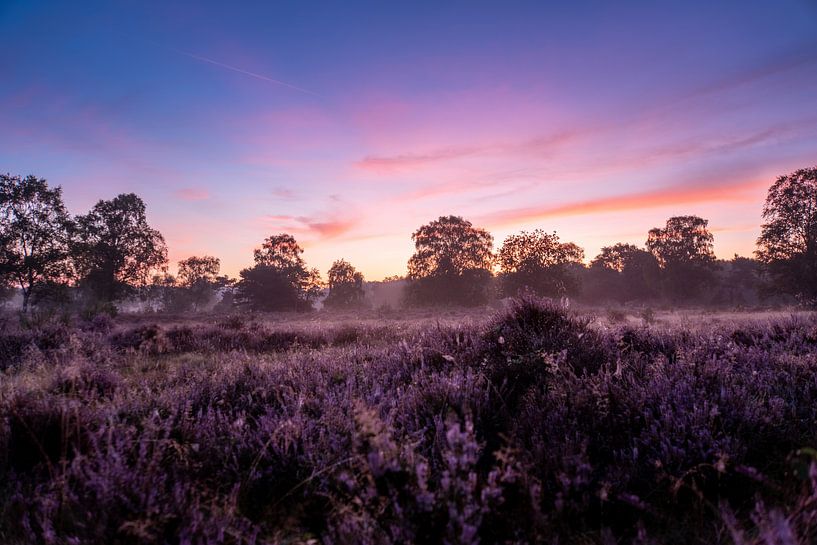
[528, 427]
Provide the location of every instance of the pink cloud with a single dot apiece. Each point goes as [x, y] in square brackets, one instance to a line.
[539, 146]
[283, 193]
[193, 194]
[321, 228]
[409, 160]
[678, 195]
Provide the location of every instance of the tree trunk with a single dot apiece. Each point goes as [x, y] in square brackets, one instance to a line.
[26, 296]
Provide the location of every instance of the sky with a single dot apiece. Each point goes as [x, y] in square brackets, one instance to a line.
[350, 124]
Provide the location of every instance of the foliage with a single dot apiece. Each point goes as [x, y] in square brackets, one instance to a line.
[452, 263]
[345, 286]
[33, 236]
[788, 240]
[538, 261]
[198, 281]
[625, 272]
[280, 279]
[115, 249]
[195, 270]
[683, 248]
[532, 426]
[741, 282]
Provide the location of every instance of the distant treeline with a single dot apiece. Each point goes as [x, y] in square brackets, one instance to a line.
[111, 255]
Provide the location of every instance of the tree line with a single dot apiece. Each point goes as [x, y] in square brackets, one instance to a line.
[111, 254]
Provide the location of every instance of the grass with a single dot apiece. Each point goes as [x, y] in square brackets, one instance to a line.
[529, 424]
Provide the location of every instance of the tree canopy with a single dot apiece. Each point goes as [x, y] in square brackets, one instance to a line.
[452, 263]
[540, 262]
[683, 249]
[198, 270]
[345, 286]
[788, 239]
[279, 280]
[625, 272]
[684, 239]
[114, 247]
[34, 235]
[197, 281]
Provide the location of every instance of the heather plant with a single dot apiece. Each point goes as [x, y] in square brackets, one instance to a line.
[532, 426]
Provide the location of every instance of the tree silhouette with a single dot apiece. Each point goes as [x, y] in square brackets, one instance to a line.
[281, 252]
[345, 286]
[626, 272]
[451, 263]
[195, 270]
[115, 249]
[741, 282]
[34, 237]
[538, 261]
[683, 249]
[788, 239]
[279, 280]
[198, 279]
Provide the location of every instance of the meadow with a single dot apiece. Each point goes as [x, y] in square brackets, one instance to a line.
[524, 424]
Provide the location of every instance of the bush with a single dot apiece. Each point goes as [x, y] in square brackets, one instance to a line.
[532, 328]
[532, 426]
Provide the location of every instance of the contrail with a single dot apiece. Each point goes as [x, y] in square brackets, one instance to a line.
[245, 72]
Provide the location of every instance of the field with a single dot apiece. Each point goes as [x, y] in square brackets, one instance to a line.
[526, 424]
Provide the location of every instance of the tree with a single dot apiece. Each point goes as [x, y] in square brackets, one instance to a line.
[788, 239]
[34, 226]
[626, 272]
[345, 286]
[115, 249]
[740, 282]
[683, 249]
[452, 263]
[198, 281]
[195, 270]
[279, 280]
[163, 289]
[540, 262]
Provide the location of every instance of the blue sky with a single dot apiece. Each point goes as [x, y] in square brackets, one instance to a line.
[350, 124]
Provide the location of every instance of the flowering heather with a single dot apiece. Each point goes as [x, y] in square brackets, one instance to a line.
[533, 426]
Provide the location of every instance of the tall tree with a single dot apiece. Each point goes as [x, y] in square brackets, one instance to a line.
[115, 249]
[280, 251]
[195, 270]
[345, 286]
[198, 281]
[452, 263]
[279, 280]
[539, 261]
[34, 227]
[788, 239]
[683, 249]
[627, 271]
[740, 282]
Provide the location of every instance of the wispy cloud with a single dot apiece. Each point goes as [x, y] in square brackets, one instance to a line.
[671, 196]
[802, 56]
[283, 193]
[539, 146]
[409, 160]
[244, 72]
[322, 228]
[192, 194]
[329, 228]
